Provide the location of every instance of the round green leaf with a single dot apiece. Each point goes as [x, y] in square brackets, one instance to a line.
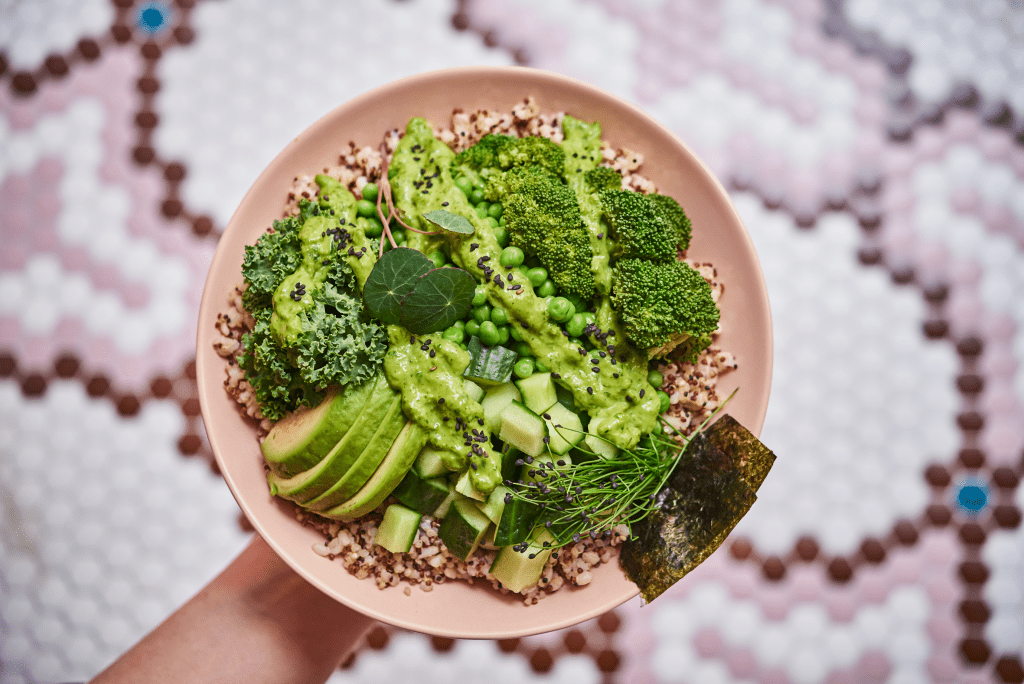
[449, 221]
[393, 277]
[441, 297]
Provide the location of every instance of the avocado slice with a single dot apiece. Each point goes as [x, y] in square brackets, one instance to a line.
[311, 483]
[387, 476]
[304, 437]
[363, 468]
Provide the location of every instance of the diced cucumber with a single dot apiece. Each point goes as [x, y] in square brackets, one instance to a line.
[495, 503]
[465, 487]
[599, 446]
[398, 529]
[420, 494]
[508, 463]
[488, 541]
[564, 428]
[517, 521]
[523, 429]
[475, 391]
[517, 570]
[488, 366]
[463, 528]
[430, 463]
[495, 401]
[444, 506]
[538, 392]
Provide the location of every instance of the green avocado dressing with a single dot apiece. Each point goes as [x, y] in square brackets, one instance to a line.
[317, 245]
[582, 146]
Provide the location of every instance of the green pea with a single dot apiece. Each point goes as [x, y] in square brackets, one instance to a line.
[366, 208]
[516, 335]
[373, 227]
[438, 258]
[503, 333]
[501, 235]
[491, 222]
[547, 289]
[499, 316]
[655, 378]
[577, 303]
[479, 295]
[574, 326]
[501, 222]
[472, 328]
[495, 210]
[481, 210]
[464, 184]
[454, 334]
[370, 191]
[537, 276]
[464, 346]
[523, 368]
[399, 235]
[460, 325]
[482, 313]
[524, 269]
[541, 368]
[489, 333]
[666, 401]
[523, 349]
[511, 257]
[560, 309]
[476, 197]
[576, 342]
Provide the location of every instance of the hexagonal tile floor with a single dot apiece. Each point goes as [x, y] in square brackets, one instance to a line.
[875, 151]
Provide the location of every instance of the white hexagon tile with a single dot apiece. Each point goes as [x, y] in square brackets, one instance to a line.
[875, 151]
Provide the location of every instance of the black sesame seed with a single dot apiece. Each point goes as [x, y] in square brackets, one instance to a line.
[590, 390]
[641, 394]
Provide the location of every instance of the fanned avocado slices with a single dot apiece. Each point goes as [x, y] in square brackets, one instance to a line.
[711, 488]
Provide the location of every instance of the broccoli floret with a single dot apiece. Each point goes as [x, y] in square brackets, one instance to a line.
[603, 178]
[502, 152]
[663, 306]
[651, 227]
[639, 226]
[676, 217]
[543, 219]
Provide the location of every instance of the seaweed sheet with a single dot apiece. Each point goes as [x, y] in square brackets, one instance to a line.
[711, 488]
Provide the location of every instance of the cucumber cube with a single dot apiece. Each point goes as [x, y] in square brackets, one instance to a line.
[496, 401]
[443, 508]
[465, 487]
[421, 495]
[523, 429]
[430, 463]
[397, 530]
[600, 447]
[564, 428]
[495, 504]
[518, 570]
[463, 528]
[475, 391]
[538, 392]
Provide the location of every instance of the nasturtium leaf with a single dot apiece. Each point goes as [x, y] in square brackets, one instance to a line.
[450, 221]
[440, 297]
[393, 277]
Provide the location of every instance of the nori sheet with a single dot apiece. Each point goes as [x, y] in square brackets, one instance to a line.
[711, 488]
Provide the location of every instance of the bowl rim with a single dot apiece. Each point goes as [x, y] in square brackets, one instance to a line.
[209, 303]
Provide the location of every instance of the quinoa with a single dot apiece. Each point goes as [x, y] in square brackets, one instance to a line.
[691, 387]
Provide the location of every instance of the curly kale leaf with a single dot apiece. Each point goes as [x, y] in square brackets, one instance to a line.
[274, 257]
[338, 343]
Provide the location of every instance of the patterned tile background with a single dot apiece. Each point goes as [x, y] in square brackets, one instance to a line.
[875, 150]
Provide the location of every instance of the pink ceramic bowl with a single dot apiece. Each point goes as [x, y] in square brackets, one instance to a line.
[457, 609]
